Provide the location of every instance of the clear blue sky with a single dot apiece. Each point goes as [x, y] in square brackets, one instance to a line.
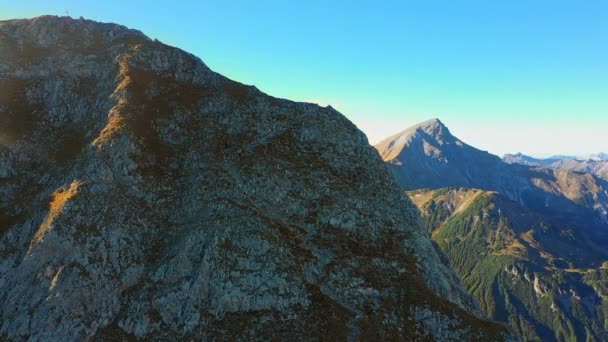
[505, 76]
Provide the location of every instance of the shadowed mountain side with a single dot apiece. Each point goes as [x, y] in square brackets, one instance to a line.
[543, 278]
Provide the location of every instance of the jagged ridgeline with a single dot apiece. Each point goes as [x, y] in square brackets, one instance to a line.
[144, 196]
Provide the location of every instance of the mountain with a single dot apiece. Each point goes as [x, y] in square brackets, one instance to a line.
[593, 156]
[561, 156]
[545, 279]
[427, 155]
[528, 241]
[144, 196]
[519, 158]
[598, 156]
[591, 164]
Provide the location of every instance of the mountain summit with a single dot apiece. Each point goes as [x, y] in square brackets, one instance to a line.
[391, 147]
[427, 155]
[143, 195]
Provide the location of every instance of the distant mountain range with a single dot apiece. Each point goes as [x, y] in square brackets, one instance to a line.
[596, 164]
[427, 155]
[598, 156]
[527, 240]
[593, 156]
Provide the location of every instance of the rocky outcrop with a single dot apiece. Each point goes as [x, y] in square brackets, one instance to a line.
[144, 195]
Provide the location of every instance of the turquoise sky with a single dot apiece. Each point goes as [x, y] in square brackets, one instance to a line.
[505, 76]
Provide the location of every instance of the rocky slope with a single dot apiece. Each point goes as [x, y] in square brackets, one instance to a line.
[144, 195]
[546, 280]
[429, 156]
[594, 164]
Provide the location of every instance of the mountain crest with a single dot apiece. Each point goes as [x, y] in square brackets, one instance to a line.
[433, 131]
[433, 127]
[62, 32]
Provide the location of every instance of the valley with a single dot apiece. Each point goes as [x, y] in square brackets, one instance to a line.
[528, 241]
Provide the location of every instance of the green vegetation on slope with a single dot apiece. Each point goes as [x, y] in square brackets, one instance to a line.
[523, 270]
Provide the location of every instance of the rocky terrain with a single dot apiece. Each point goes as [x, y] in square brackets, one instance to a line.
[429, 156]
[546, 280]
[144, 196]
[594, 164]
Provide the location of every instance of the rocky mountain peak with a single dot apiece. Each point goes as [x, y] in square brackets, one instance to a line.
[433, 127]
[426, 152]
[429, 133]
[143, 195]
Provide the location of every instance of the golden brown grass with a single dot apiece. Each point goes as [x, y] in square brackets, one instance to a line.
[58, 202]
[115, 123]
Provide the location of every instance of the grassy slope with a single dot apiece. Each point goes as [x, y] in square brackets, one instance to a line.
[511, 263]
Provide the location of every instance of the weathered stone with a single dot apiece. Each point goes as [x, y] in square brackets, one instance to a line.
[155, 198]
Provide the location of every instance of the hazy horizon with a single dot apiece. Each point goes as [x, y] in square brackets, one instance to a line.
[504, 77]
[464, 132]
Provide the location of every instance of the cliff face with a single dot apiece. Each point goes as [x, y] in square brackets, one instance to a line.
[144, 195]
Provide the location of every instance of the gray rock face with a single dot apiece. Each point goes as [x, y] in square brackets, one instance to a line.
[143, 195]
